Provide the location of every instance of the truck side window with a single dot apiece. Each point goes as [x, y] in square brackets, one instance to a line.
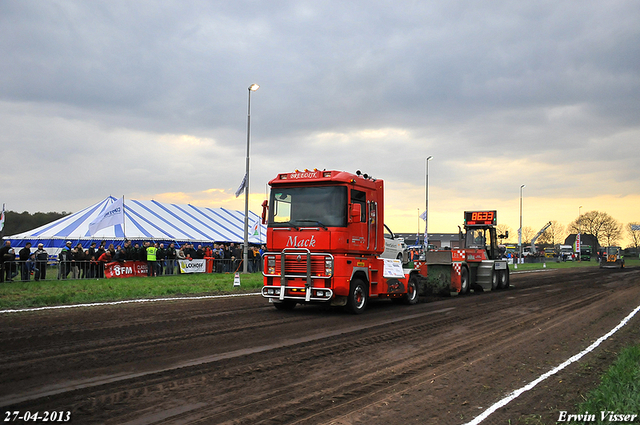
[359, 197]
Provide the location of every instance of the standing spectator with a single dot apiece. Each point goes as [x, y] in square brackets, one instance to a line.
[236, 256]
[180, 255]
[75, 270]
[41, 262]
[81, 262]
[64, 261]
[10, 268]
[171, 258]
[25, 253]
[3, 251]
[199, 254]
[250, 258]
[91, 258]
[160, 257]
[99, 252]
[151, 259]
[129, 251]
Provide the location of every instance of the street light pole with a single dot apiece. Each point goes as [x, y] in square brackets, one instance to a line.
[520, 229]
[245, 249]
[578, 237]
[426, 208]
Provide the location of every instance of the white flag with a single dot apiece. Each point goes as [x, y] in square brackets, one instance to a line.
[424, 216]
[255, 229]
[242, 186]
[113, 215]
[2, 219]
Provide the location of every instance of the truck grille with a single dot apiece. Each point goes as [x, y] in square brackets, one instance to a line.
[299, 263]
[296, 265]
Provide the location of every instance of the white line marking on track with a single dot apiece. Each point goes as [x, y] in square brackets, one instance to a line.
[532, 384]
[531, 271]
[142, 300]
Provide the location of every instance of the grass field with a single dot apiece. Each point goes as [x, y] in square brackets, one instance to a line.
[618, 392]
[567, 264]
[15, 295]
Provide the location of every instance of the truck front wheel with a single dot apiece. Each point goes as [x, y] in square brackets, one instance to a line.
[285, 305]
[358, 296]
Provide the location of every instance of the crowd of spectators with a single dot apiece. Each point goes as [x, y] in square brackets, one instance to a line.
[76, 262]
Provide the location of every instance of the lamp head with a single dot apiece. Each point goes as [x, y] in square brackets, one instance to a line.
[254, 87]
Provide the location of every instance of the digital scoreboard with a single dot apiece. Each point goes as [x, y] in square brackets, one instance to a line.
[480, 218]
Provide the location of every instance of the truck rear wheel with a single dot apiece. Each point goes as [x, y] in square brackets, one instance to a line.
[358, 296]
[494, 279]
[464, 281]
[411, 297]
[504, 279]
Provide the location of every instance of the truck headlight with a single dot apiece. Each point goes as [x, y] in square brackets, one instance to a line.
[328, 266]
[271, 265]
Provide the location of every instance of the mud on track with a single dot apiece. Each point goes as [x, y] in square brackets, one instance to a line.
[241, 361]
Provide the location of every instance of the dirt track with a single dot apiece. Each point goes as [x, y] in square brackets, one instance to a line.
[239, 360]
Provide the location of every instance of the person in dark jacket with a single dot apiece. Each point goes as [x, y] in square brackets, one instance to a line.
[64, 261]
[3, 251]
[161, 255]
[25, 253]
[7, 257]
[41, 262]
[171, 258]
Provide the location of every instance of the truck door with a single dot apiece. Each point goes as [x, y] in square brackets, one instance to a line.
[359, 234]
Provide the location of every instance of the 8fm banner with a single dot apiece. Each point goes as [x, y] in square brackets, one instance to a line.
[125, 269]
[192, 266]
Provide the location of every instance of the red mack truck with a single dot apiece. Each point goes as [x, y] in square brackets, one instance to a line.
[326, 244]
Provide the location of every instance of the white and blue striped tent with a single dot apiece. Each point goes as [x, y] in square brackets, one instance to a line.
[148, 221]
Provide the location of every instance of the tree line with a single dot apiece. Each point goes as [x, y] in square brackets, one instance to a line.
[604, 227]
[16, 222]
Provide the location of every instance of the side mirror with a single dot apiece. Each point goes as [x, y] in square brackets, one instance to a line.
[265, 208]
[355, 213]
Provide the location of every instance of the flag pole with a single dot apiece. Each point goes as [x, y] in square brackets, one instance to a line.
[124, 233]
[4, 218]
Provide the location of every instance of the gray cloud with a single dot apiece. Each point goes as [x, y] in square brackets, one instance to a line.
[102, 92]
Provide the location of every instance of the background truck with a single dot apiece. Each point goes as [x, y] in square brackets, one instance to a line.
[565, 252]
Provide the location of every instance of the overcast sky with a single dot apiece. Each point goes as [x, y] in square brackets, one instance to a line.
[149, 100]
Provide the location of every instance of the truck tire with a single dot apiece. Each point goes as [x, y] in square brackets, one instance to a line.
[494, 279]
[411, 297]
[504, 279]
[464, 281]
[358, 296]
[285, 305]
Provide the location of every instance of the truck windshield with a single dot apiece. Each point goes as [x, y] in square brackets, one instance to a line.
[308, 206]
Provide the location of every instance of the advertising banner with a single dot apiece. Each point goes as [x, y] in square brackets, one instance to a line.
[192, 266]
[125, 269]
[392, 268]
